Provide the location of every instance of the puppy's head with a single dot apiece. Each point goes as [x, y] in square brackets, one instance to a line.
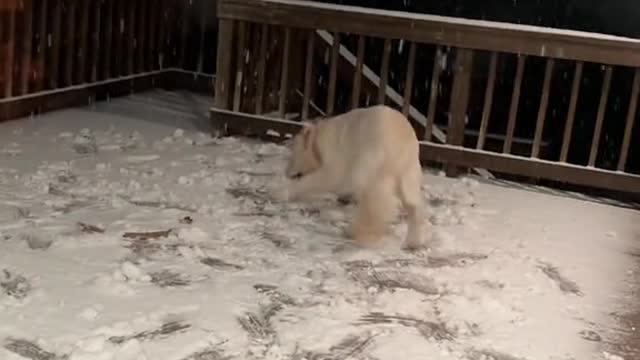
[305, 156]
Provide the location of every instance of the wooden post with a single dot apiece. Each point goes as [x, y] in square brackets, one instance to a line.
[223, 74]
[223, 64]
[240, 57]
[459, 102]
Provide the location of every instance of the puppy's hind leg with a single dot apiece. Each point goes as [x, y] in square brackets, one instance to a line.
[375, 206]
[410, 194]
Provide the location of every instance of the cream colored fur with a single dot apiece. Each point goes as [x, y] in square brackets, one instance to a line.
[370, 153]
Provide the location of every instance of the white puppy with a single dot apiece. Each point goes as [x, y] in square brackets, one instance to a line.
[370, 153]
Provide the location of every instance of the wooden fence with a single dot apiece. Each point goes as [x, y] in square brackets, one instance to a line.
[59, 53]
[281, 61]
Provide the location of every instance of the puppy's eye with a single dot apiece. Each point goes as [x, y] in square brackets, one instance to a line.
[297, 175]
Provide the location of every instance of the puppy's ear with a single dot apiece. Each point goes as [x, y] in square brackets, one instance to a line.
[288, 142]
[307, 132]
[307, 125]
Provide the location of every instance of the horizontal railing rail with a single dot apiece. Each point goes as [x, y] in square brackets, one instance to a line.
[440, 30]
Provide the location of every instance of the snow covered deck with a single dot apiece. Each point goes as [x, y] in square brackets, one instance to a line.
[163, 244]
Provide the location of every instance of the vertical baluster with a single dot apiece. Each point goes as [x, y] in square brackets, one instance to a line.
[141, 37]
[108, 39]
[333, 73]
[186, 6]
[83, 51]
[515, 101]
[308, 72]
[120, 24]
[151, 44]
[262, 67]
[568, 128]
[284, 76]
[131, 35]
[384, 71]
[357, 77]
[488, 101]
[42, 44]
[433, 96]
[162, 41]
[10, 46]
[201, 47]
[70, 43]
[597, 131]
[631, 117]
[408, 84]
[97, 34]
[542, 111]
[27, 46]
[56, 45]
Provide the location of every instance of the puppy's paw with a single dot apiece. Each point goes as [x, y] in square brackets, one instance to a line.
[414, 247]
[279, 193]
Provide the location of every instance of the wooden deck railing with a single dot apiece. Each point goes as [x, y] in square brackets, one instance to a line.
[54, 52]
[272, 65]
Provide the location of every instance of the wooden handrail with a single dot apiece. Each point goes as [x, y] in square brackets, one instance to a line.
[441, 30]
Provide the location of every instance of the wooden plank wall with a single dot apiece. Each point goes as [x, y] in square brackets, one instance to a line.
[54, 44]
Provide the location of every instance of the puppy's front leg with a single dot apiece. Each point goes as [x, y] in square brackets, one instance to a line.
[319, 182]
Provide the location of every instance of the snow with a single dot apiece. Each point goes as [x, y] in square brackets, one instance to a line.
[228, 271]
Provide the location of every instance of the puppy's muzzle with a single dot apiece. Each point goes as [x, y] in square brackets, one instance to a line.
[295, 176]
[292, 174]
